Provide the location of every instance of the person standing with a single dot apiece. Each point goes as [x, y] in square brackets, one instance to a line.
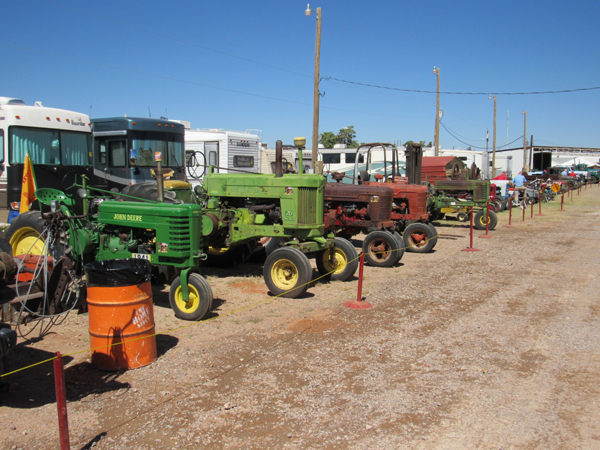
[519, 182]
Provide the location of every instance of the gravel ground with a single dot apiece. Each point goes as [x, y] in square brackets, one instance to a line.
[496, 349]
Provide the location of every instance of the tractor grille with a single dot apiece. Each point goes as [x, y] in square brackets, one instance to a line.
[179, 234]
[308, 207]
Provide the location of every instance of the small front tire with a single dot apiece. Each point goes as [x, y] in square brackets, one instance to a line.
[200, 298]
[340, 266]
[480, 222]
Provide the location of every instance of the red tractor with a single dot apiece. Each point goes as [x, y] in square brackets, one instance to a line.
[351, 210]
[409, 208]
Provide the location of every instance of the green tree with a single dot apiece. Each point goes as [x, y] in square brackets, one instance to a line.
[328, 139]
[347, 136]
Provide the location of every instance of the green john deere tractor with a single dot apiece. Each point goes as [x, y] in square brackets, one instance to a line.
[176, 228]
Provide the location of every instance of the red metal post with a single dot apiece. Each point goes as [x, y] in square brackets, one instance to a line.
[532, 210]
[471, 249]
[510, 215]
[61, 402]
[524, 207]
[487, 223]
[562, 201]
[360, 276]
[359, 303]
[540, 202]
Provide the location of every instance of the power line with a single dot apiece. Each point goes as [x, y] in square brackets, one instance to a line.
[475, 146]
[328, 78]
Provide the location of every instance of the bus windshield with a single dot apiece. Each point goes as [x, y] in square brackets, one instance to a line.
[51, 147]
[146, 143]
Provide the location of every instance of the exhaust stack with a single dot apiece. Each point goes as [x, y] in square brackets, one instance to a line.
[278, 159]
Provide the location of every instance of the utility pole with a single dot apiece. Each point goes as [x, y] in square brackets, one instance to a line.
[315, 136]
[494, 144]
[315, 131]
[436, 135]
[487, 155]
[525, 142]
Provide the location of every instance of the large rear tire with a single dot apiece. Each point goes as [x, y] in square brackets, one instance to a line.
[382, 249]
[287, 272]
[342, 264]
[419, 238]
[24, 233]
[199, 299]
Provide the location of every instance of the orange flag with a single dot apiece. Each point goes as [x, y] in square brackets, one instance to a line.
[28, 186]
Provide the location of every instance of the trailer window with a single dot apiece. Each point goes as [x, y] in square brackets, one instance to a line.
[331, 158]
[212, 158]
[243, 161]
[351, 158]
[2, 146]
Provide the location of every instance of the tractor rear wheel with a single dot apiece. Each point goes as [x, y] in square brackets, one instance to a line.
[382, 249]
[200, 298]
[419, 238]
[24, 234]
[340, 263]
[287, 272]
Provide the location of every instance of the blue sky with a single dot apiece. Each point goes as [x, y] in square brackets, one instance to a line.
[249, 65]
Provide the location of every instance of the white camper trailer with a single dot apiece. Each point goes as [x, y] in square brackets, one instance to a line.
[226, 150]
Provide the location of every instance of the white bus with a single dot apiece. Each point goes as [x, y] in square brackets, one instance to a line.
[59, 143]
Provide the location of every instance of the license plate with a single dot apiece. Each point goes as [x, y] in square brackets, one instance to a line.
[145, 256]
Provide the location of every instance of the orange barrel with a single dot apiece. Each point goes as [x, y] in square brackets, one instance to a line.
[121, 313]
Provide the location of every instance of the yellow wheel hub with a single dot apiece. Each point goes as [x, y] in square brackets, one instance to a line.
[337, 264]
[193, 302]
[284, 274]
[26, 241]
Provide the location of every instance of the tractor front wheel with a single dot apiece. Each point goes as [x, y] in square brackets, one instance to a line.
[382, 249]
[340, 263]
[199, 298]
[287, 272]
[419, 238]
[480, 222]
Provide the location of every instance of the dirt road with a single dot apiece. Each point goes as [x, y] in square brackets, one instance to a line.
[496, 349]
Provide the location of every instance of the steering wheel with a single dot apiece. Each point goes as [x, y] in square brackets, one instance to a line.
[65, 187]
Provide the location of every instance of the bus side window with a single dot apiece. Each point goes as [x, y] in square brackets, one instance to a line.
[102, 152]
[331, 158]
[117, 154]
